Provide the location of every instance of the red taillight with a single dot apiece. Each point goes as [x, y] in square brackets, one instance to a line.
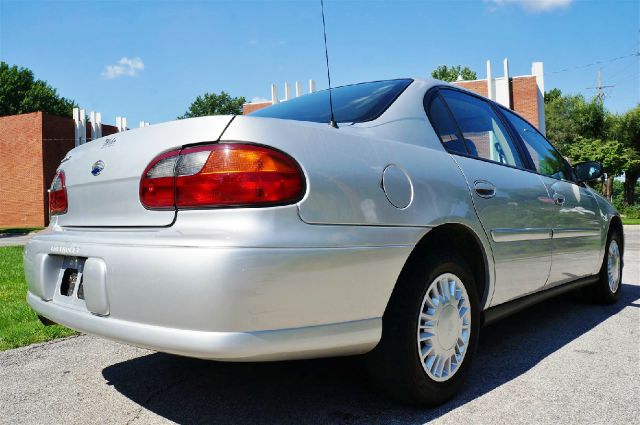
[58, 195]
[221, 175]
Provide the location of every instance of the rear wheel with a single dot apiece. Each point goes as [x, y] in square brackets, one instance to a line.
[430, 331]
[607, 289]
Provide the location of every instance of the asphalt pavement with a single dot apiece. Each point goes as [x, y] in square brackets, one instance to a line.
[14, 239]
[564, 361]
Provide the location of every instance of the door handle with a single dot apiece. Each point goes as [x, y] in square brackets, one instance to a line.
[484, 189]
[558, 199]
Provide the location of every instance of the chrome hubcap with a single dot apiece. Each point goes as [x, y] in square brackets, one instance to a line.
[613, 265]
[444, 327]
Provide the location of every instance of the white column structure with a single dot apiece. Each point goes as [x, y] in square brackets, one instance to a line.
[491, 88]
[312, 86]
[143, 124]
[298, 89]
[503, 94]
[537, 70]
[79, 120]
[96, 125]
[287, 91]
[274, 94]
[99, 124]
[121, 124]
[92, 120]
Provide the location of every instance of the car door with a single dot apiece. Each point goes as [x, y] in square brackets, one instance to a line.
[576, 217]
[512, 203]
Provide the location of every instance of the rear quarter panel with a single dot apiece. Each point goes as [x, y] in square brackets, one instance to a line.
[344, 169]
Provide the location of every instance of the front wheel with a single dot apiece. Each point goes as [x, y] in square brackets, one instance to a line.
[430, 331]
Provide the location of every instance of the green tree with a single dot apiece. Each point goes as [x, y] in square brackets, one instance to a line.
[215, 104]
[446, 73]
[551, 95]
[570, 116]
[585, 130]
[626, 129]
[20, 93]
[614, 156]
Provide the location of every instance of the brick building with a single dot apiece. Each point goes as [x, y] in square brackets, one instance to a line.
[31, 148]
[523, 94]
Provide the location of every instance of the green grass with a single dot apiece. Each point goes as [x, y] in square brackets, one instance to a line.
[18, 230]
[630, 220]
[19, 325]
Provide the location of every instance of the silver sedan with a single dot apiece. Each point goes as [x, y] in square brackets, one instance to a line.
[426, 212]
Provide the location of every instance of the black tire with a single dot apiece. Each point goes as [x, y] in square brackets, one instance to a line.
[600, 292]
[395, 364]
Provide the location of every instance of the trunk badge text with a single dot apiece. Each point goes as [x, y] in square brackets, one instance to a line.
[108, 142]
[97, 168]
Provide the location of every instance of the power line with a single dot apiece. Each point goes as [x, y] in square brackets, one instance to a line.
[623, 70]
[636, 54]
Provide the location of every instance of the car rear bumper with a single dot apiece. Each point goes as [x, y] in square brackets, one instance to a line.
[307, 342]
[208, 300]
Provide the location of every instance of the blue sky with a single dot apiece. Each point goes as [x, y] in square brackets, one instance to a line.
[147, 60]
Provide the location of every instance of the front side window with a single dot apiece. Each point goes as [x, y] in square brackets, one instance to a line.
[546, 158]
[485, 136]
[354, 103]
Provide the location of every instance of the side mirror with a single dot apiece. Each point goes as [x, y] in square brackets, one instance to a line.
[589, 170]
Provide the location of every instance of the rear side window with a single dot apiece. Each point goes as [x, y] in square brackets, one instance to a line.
[444, 125]
[354, 103]
[485, 136]
[546, 158]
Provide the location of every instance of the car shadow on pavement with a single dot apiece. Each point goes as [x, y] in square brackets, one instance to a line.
[337, 390]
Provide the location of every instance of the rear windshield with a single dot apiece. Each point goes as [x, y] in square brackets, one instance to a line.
[354, 103]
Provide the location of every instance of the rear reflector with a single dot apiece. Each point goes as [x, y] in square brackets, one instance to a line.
[157, 184]
[221, 175]
[58, 195]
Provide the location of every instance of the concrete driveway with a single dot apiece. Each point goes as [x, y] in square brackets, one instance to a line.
[564, 361]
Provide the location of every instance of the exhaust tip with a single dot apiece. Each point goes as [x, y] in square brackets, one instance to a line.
[46, 321]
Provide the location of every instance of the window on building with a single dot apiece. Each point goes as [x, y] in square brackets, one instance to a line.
[485, 136]
[444, 125]
[546, 158]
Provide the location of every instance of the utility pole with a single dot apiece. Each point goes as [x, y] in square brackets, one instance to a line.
[600, 87]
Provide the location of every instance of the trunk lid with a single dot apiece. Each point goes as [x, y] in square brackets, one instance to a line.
[103, 176]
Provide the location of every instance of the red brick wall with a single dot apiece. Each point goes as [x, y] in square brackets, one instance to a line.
[58, 138]
[107, 130]
[523, 92]
[477, 86]
[21, 191]
[31, 148]
[524, 98]
[247, 108]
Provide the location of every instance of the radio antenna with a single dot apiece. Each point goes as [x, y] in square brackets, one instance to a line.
[332, 121]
